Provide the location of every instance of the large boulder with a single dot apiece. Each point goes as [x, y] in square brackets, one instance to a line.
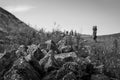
[61, 43]
[70, 76]
[84, 51]
[22, 70]
[48, 63]
[35, 51]
[65, 49]
[51, 46]
[66, 57]
[21, 51]
[35, 64]
[44, 51]
[6, 62]
[50, 76]
[66, 70]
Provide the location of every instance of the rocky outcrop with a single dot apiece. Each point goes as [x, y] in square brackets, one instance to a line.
[70, 76]
[65, 49]
[66, 70]
[6, 62]
[52, 46]
[32, 63]
[48, 63]
[35, 51]
[66, 57]
[21, 52]
[22, 70]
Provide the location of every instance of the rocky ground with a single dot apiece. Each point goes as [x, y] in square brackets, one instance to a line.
[58, 61]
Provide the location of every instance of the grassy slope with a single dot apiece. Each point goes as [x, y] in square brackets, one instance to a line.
[105, 40]
[13, 31]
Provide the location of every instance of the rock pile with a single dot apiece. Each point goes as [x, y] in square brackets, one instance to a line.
[52, 63]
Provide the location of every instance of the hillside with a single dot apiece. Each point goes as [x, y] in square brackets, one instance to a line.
[13, 30]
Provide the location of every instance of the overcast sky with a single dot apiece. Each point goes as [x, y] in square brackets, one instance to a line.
[78, 15]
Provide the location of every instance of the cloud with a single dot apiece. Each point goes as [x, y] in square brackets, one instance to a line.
[19, 8]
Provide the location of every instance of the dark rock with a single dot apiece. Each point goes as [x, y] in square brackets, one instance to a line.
[35, 51]
[22, 70]
[67, 68]
[69, 76]
[51, 45]
[84, 51]
[65, 49]
[35, 64]
[66, 57]
[50, 76]
[21, 51]
[6, 62]
[48, 63]
[99, 77]
[44, 51]
[61, 43]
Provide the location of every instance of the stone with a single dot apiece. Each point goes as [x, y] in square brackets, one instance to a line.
[6, 62]
[22, 70]
[67, 68]
[65, 49]
[69, 76]
[51, 46]
[66, 56]
[35, 51]
[99, 77]
[21, 51]
[49, 62]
